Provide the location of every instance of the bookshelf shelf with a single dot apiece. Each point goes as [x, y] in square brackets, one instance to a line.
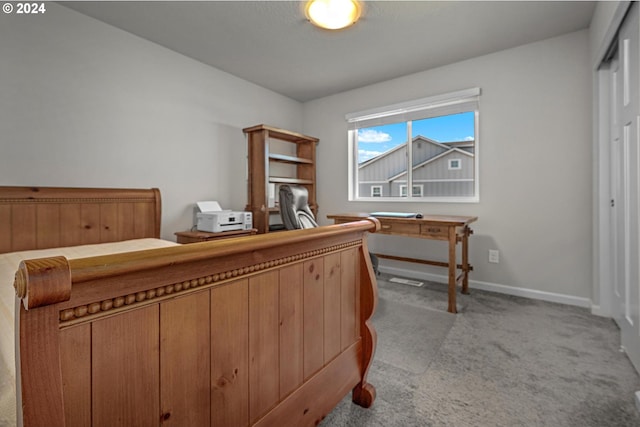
[269, 147]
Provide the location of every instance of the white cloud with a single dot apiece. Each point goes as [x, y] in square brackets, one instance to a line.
[469, 138]
[370, 135]
[367, 154]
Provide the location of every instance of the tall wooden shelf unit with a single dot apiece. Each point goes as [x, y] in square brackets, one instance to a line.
[264, 157]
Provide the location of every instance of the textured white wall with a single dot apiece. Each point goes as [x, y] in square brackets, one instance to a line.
[535, 164]
[85, 104]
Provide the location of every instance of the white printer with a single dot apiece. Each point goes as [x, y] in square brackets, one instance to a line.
[212, 218]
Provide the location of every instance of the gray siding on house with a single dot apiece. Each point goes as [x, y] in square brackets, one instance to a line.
[429, 189]
[393, 164]
[439, 168]
[430, 170]
[424, 149]
[447, 189]
[365, 189]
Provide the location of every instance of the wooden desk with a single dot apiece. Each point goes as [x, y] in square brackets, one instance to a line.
[449, 228]
[204, 236]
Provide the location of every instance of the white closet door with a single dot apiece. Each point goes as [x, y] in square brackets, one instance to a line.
[625, 158]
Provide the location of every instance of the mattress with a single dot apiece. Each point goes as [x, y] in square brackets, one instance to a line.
[8, 266]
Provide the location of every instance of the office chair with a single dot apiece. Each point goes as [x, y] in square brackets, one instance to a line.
[294, 207]
[296, 213]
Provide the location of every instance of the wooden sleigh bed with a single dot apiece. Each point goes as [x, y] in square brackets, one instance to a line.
[267, 330]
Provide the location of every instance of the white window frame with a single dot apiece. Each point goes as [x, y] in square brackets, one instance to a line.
[376, 187]
[459, 163]
[447, 103]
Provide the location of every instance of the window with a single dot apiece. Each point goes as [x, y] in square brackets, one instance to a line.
[417, 191]
[437, 136]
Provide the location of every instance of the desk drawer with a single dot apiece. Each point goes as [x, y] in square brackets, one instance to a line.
[437, 232]
[399, 228]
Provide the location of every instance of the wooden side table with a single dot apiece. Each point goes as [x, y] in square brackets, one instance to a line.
[204, 236]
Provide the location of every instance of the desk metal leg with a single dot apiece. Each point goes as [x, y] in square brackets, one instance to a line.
[452, 270]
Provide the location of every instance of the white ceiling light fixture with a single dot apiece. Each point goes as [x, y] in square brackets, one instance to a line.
[333, 14]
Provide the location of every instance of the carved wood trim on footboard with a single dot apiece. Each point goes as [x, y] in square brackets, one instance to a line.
[264, 330]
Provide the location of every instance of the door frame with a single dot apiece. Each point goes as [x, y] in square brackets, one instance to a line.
[602, 287]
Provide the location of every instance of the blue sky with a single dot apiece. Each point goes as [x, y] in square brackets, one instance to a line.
[375, 140]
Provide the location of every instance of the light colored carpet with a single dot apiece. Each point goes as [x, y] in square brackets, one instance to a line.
[408, 336]
[506, 361]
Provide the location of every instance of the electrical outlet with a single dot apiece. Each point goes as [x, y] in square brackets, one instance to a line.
[494, 256]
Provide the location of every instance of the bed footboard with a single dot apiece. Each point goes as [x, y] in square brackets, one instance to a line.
[263, 330]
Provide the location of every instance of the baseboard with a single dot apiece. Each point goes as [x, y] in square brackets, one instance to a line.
[598, 311]
[494, 287]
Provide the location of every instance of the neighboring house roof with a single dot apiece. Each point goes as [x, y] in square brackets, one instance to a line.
[387, 153]
[460, 144]
[424, 158]
[432, 159]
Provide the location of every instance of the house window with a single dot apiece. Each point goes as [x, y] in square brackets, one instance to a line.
[417, 190]
[429, 145]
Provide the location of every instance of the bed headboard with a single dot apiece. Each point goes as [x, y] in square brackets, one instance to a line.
[47, 217]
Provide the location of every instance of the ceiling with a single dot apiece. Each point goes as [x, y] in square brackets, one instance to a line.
[271, 44]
